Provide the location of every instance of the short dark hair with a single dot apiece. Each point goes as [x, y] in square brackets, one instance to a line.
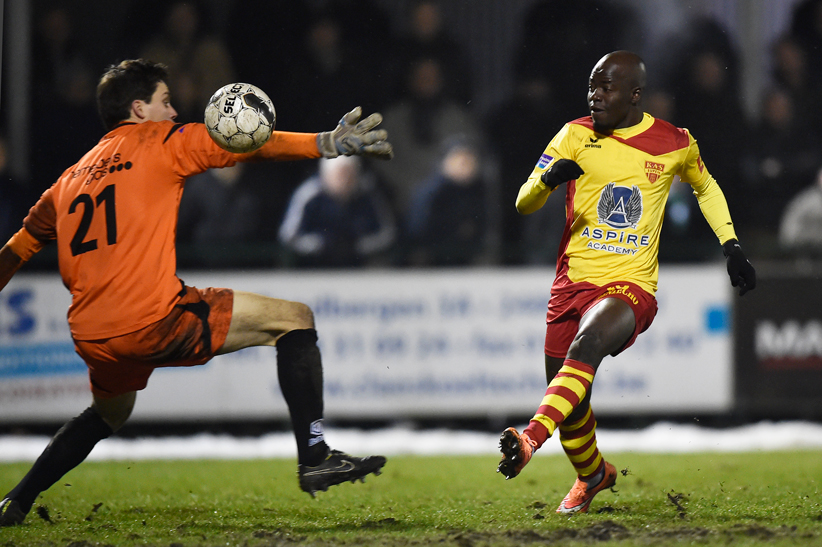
[124, 83]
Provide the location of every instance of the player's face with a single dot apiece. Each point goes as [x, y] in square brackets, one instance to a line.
[610, 97]
[160, 109]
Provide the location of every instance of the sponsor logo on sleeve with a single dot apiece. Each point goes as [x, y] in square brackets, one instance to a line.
[544, 160]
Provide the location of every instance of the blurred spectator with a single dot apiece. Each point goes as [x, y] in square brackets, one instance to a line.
[231, 217]
[417, 124]
[218, 206]
[332, 76]
[198, 61]
[791, 73]
[366, 21]
[140, 22]
[790, 65]
[65, 123]
[704, 79]
[426, 36]
[449, 222]
[266, 58]
[56, 52]
[66, 128]
[782, 158]
[659, 103]
[801, 228]
[367, 32]
[520, 128]
[562, 40]
[806, 27]
[308, 46]
[338, 218]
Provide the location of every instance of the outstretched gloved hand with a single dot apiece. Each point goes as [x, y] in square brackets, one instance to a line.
[561, 171]
[356, 137]
[740, 270]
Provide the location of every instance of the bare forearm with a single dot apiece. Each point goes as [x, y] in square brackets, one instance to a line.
[9, 264]
[19, 249]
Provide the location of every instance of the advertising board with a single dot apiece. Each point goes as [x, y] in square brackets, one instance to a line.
[396, 345]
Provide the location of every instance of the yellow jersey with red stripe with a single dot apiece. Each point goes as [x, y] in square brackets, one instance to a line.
[114, 217]
[614, 211]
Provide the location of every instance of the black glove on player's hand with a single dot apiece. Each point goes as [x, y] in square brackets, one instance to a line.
[740, 270]
[561, 171]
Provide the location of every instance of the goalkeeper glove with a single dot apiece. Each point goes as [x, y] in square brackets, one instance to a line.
[354, 137]
[561, 171]
[740, 270]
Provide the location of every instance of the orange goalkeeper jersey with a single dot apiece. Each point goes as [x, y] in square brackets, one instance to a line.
[614, 211]
[114, 217]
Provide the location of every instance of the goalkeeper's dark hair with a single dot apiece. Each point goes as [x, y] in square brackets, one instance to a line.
[124, 83]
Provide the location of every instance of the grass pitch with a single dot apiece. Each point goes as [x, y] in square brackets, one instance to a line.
[768, 498]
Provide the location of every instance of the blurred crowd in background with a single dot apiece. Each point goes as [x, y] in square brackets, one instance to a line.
[447, 198]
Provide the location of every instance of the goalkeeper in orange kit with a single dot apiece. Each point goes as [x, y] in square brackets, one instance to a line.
[113, 218]
[618, 165]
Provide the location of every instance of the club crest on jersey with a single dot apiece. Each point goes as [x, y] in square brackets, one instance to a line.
[619, 206]
[654, 170]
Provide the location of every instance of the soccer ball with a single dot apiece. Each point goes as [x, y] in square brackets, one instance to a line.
[240, 117]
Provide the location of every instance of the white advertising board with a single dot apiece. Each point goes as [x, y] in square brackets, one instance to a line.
[396, 345]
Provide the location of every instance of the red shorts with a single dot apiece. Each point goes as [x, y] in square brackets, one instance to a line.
[190, 335]
[570, 302]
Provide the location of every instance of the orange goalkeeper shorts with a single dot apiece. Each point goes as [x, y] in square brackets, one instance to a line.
[190, 335]
[570, 302]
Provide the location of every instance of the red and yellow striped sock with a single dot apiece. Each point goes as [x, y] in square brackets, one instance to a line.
[564, 393]
[579, 440]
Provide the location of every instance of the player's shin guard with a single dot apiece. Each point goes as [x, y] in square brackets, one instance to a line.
[564, 393]
[300, 372]
[67, 449]
[579, 441]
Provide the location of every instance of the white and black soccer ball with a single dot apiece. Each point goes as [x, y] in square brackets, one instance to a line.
[240, 117]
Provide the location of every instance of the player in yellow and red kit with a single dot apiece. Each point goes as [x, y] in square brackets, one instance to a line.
[113, 216]
[619, 164]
